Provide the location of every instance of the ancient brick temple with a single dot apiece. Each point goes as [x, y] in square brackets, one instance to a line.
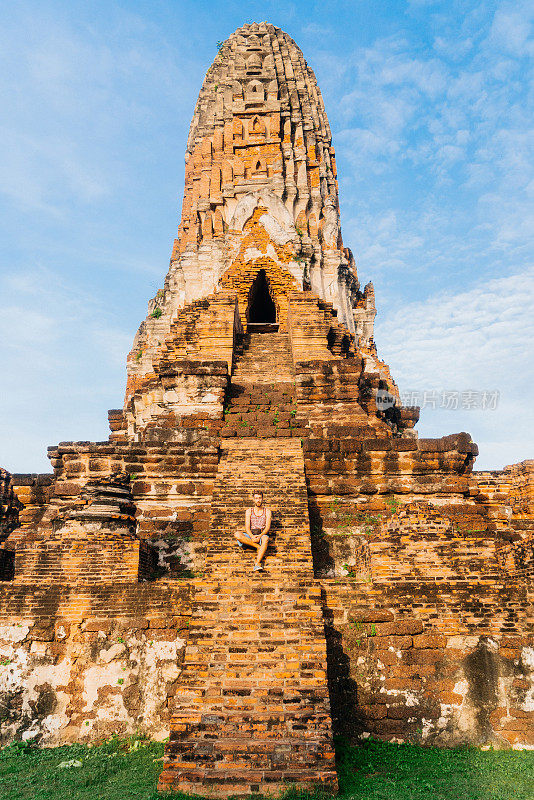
[396, 597]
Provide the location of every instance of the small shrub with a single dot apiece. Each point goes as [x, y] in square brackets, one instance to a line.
[392, 503]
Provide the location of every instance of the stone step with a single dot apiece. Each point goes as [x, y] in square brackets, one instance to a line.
[266, 359]
[230, 702]
[240, 744]
[227, 782]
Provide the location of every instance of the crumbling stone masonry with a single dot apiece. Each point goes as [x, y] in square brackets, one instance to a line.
[397, 597]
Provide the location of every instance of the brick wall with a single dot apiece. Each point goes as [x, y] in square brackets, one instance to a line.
[438, 662]
[33, 491]
[80, 663]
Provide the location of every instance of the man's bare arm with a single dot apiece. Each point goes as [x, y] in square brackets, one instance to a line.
[247, 522]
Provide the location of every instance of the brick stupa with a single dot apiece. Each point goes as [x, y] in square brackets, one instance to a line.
[397, 587]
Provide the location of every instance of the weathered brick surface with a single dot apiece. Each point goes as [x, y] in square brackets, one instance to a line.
[431, 661]
[252, 712]
[82, 662]
[10, 505]
[261, 401]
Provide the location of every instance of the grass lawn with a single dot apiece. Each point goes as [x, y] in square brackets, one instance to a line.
[127, 769]
[382, 771]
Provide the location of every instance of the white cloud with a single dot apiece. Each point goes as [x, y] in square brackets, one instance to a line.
[511, 30]
[21, 327]
[62, 361]
[315, 29]
[114, 343]
[474, 340]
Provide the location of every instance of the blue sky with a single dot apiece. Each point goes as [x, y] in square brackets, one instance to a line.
[430, 105]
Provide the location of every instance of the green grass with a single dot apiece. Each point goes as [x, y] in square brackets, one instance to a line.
[127, 769]
[383, 771]
[119, 769]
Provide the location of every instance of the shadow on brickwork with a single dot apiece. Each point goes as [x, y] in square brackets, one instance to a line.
[481, 669]
[343, 689]
[323, 563]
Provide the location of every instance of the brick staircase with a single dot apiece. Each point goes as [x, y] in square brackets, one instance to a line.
[252, 712]
[261, 399]
[264, 357]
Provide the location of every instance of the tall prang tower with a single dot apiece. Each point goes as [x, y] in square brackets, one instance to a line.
[395, 599]
[260, 215]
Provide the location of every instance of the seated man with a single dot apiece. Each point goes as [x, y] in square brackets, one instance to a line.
[257, 525]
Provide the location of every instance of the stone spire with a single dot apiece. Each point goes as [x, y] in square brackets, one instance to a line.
[260, 201]
[260, 181]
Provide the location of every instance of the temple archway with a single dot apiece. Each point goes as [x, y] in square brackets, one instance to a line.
[261, 307]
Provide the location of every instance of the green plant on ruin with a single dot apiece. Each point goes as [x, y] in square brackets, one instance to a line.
[139, 355]
[362, 631]
[184, 536]
[156, 314]
[219, 45]
[344, 517]
[369, 519]
[392, 503]
[349, 519]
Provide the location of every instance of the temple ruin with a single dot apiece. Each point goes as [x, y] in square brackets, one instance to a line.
[397, 596]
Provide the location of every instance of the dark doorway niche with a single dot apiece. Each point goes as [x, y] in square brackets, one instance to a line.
[260, 304]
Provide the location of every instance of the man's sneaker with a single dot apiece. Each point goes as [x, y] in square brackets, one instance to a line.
[239, 543]
[257, 568]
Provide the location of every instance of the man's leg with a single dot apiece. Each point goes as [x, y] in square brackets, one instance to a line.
[243, 538]
[262, 547]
